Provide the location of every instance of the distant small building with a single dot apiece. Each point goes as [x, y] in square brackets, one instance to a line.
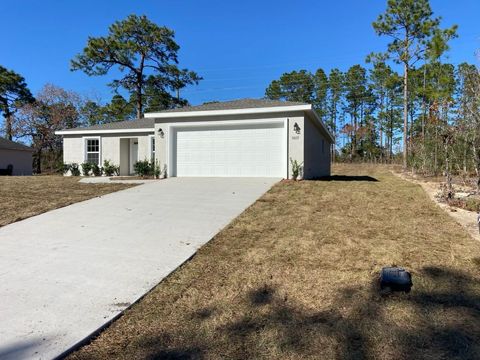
[16, 157]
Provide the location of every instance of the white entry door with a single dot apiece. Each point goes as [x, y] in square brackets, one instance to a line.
[255, 150]
[133, 153]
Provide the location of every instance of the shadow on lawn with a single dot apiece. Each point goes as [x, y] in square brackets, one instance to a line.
[445, 324]
[348, 178]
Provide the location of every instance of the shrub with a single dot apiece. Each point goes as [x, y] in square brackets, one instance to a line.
[109, 169]
[143, 168]
[96, 170]
[86, 167]
[472, 204]
[296, 168]
[63, 168]
[156, 169]
[74, 170]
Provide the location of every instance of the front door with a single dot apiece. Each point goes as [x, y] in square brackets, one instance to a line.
[133, 153]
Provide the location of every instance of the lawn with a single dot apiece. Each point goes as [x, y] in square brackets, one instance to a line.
[25, 196]
[295, 277]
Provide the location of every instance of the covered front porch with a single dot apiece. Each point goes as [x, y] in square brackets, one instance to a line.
[133, 149]
[128, 155]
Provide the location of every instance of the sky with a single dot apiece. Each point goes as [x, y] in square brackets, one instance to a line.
[238, 47]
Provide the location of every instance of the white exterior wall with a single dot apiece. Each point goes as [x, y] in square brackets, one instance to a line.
[161, 144]
[21, 161]
[295, 142]
[144, 148]
[316, 150]
[110, 149]
[74, 147]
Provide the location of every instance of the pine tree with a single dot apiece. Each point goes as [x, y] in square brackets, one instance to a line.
[413, 29]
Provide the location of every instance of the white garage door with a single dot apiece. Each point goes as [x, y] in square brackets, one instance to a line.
[241, 150]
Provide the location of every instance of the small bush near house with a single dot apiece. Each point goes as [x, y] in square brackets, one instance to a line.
[86, 168]
[143, 168]
[156, 169]
[63, 168]
[109, 169]
[96, 170]
[296, 168]
[74, 170]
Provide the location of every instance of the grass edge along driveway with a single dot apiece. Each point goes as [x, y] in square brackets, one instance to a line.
[26, 196]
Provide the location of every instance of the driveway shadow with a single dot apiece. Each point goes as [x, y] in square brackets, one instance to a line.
[19, 350]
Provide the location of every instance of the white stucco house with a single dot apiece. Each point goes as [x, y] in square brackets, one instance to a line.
[240, 138]
[16, 155]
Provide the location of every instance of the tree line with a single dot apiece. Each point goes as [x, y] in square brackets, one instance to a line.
[427, 116]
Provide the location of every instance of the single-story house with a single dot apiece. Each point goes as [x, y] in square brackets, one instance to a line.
[16, 157]
[240, 138]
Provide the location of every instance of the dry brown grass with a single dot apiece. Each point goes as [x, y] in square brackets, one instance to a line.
[25, 196]
[294, 277]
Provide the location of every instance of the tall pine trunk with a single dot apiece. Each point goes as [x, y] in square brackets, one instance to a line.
[405, 114]
[139, 102]
[8, 126]
[424, 104]
[390, 152]
[139, 88]
[334, 126]
[354, 137]
[380, 123]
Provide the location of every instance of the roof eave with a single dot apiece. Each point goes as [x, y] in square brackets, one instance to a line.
[322, 124]
[17, 149]
[263, 110]
[104, 131]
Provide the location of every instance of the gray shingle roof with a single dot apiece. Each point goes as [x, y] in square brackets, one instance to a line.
[148, 123]
[236, 104]
[12, 145]
[144, 123]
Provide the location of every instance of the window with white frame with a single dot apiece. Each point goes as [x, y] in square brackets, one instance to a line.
[152, 148]
[92, 151]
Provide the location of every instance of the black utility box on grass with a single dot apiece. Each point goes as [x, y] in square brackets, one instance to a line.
[395, 279]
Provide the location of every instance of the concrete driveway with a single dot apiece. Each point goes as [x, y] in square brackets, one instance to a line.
[66, 273]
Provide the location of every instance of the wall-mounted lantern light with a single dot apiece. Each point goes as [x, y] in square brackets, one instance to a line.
[296, 128]
[161, 133]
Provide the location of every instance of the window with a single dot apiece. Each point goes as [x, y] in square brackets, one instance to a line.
[92, 151]
[152, 148]
[323, 146]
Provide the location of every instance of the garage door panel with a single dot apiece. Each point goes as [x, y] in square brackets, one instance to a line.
[255, 150]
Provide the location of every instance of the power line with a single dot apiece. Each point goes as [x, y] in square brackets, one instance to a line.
[291, 82]
[309, 61]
